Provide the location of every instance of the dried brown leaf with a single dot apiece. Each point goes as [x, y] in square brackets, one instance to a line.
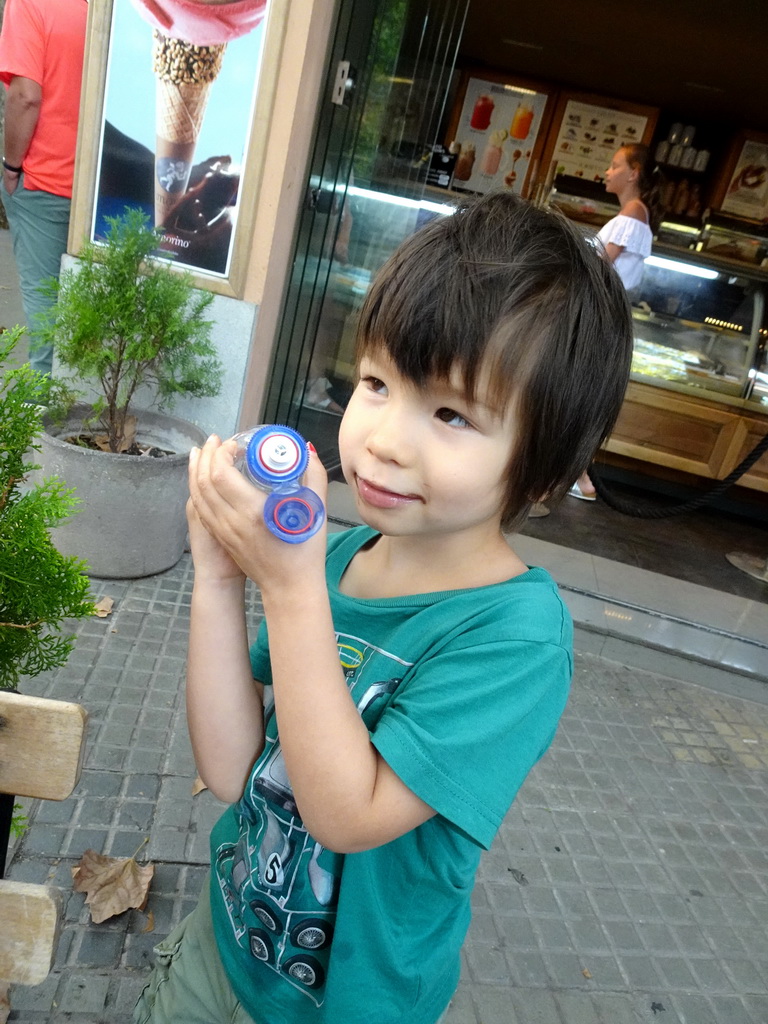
[587, 973]
[5, 1001]
[101, 441]
[150, 925]
[198, 786]
[113, 884]
[129, 433]
[103, 607]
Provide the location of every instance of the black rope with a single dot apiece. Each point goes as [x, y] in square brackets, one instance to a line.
[630, 508]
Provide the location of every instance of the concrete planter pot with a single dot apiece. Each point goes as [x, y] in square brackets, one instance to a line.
[131, 520]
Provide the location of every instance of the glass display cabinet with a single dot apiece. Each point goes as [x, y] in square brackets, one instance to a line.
[700, 326]
[697, 400]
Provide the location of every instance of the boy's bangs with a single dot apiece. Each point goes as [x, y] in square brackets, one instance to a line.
[442, 335]
[414, 313]
[423, 353]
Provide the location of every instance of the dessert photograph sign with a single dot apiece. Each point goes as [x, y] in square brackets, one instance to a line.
[747, 194]
[589, 135]
[181, 85]
[496, 134]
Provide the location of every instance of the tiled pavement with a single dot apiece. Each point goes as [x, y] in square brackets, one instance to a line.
[629, 883]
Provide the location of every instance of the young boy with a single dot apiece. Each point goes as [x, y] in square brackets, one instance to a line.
[406, 679]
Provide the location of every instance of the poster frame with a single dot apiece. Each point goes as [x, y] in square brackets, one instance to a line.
[607, 103]
[732, 162]
[92, 103]
[485, 74]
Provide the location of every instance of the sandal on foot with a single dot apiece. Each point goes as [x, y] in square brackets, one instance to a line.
[576, 492]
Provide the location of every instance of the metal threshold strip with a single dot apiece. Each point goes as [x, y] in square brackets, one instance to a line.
[666, 616]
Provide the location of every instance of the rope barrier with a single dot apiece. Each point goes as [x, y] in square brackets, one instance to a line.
[639, 511]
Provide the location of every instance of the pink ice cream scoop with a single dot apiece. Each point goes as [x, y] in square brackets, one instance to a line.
[202, 22]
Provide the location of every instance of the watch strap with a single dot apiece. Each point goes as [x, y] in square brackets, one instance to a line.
[10, 167]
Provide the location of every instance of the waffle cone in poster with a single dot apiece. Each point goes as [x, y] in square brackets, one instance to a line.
[185, 74]
[180, 109]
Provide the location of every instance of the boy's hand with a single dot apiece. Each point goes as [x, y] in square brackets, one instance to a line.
[211, 560]
[232, 511]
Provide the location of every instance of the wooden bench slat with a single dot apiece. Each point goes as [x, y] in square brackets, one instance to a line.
[31, 919]
[41, 746]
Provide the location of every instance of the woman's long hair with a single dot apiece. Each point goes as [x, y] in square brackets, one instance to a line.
[649, 180]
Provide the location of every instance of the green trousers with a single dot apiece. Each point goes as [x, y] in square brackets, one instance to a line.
[39, 223]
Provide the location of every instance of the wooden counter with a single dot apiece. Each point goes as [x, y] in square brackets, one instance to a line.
[689, 434]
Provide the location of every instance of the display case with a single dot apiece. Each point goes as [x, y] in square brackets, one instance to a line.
[699, 326]
[697, 401]
[699, 314]
[698, 395]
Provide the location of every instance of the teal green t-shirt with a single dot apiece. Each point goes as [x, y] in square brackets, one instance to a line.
[461, 692]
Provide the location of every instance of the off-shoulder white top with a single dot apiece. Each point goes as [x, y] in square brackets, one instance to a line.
[635, 239]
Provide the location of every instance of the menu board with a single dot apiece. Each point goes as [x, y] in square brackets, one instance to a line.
[589, 135]
[497, 131]
[747, 194]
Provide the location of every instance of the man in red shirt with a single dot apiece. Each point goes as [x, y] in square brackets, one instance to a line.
[41, 63]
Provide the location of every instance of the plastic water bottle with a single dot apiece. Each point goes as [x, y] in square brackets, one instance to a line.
[275, 458]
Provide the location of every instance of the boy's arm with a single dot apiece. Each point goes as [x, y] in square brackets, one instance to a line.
[224, 702]
[347, 795]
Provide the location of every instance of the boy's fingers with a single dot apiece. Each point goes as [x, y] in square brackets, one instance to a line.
[230, 485]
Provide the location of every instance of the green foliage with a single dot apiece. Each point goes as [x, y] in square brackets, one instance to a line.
[123, 320]
[19, 821]
[387, 34]
[39, 587]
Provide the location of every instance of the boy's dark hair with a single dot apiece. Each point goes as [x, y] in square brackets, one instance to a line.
[516, 291]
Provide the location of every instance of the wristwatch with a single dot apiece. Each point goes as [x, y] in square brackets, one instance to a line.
[10, 167]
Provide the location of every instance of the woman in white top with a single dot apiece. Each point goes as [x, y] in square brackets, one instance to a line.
[627, 237]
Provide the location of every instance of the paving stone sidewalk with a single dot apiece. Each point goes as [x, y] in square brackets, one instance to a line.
[629, 882]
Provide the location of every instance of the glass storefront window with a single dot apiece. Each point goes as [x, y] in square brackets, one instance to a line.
[367, 193]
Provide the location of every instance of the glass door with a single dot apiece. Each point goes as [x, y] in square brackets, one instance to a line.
[366, 192]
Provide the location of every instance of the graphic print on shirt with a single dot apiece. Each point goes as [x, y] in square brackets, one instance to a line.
[280, 887]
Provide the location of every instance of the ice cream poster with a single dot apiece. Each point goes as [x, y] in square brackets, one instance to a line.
[589, 136]
[495, 136]
[182, 78]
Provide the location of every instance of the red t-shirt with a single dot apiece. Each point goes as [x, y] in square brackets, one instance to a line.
[44, 40]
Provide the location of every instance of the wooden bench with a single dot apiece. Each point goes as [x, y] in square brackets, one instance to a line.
[42, 744]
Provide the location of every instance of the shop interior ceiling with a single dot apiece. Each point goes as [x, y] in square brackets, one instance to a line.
[705, 58]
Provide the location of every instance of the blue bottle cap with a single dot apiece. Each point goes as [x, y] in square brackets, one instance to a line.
[276, 455]
[294, 515]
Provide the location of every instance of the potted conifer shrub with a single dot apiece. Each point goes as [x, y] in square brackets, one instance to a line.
[40, 588]
[127, 326]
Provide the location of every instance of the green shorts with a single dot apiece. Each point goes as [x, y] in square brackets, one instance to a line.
[188, 984]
